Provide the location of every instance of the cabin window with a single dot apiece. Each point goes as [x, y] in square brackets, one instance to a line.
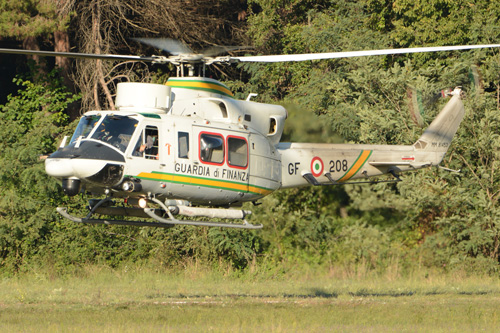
[237, 152]
[211, 148]
[148, 146]
[183, 145]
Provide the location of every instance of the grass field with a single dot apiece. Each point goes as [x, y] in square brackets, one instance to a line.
[202, 300]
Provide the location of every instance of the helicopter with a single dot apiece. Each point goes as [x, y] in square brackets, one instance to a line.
[190, 149]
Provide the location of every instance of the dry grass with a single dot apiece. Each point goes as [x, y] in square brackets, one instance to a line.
[199, 299]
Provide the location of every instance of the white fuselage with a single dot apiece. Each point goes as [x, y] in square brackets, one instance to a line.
[196, 145]
[190, 140]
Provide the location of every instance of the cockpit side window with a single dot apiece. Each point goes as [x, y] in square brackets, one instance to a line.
[148, 145]
[85, 126]
[116, 131]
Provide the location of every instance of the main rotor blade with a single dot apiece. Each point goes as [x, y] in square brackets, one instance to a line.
[81, 55]
[216, 50]
[336, 55]
[172, 46]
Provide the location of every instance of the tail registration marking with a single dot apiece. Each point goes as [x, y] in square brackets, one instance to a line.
[358, 164]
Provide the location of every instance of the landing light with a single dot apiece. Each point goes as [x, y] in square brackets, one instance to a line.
[131, 186]
[143, 203]
[128, 186]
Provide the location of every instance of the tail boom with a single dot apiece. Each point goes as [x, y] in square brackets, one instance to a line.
[326, 164]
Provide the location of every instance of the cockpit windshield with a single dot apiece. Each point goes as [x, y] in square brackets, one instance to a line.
[116, 131]
[85, 126]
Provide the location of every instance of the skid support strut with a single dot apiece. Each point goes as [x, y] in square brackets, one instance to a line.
[160, 216]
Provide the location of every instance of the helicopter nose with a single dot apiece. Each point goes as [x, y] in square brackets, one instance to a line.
[82, 161]
[59, 167]
[73, 168]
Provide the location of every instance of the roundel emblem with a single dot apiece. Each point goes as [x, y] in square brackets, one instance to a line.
[317, 166]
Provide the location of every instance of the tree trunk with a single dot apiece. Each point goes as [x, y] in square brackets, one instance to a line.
[31, 43]
[61, 44]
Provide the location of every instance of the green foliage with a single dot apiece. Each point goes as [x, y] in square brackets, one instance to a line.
[182, 245]
[24, 18]
[440, 219]
[30, 123]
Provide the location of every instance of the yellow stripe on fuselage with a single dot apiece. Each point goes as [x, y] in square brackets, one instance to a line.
[362, 158]
[207, 182]
[199, 85]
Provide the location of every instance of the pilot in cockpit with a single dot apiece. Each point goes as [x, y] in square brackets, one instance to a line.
[148, 149]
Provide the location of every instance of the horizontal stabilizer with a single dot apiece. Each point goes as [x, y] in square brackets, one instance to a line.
[411, 164]
[388, 163]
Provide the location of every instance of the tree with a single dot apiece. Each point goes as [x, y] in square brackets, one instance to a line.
[35, 21]
[106, 26]
[369, 100]
[30, 123]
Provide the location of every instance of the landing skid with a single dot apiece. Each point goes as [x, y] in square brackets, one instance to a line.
[64, 212]
[162, 222]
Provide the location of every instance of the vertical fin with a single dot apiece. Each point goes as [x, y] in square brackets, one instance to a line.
[437, 137]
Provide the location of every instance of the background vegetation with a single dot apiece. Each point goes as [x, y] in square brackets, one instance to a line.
[434, 219]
